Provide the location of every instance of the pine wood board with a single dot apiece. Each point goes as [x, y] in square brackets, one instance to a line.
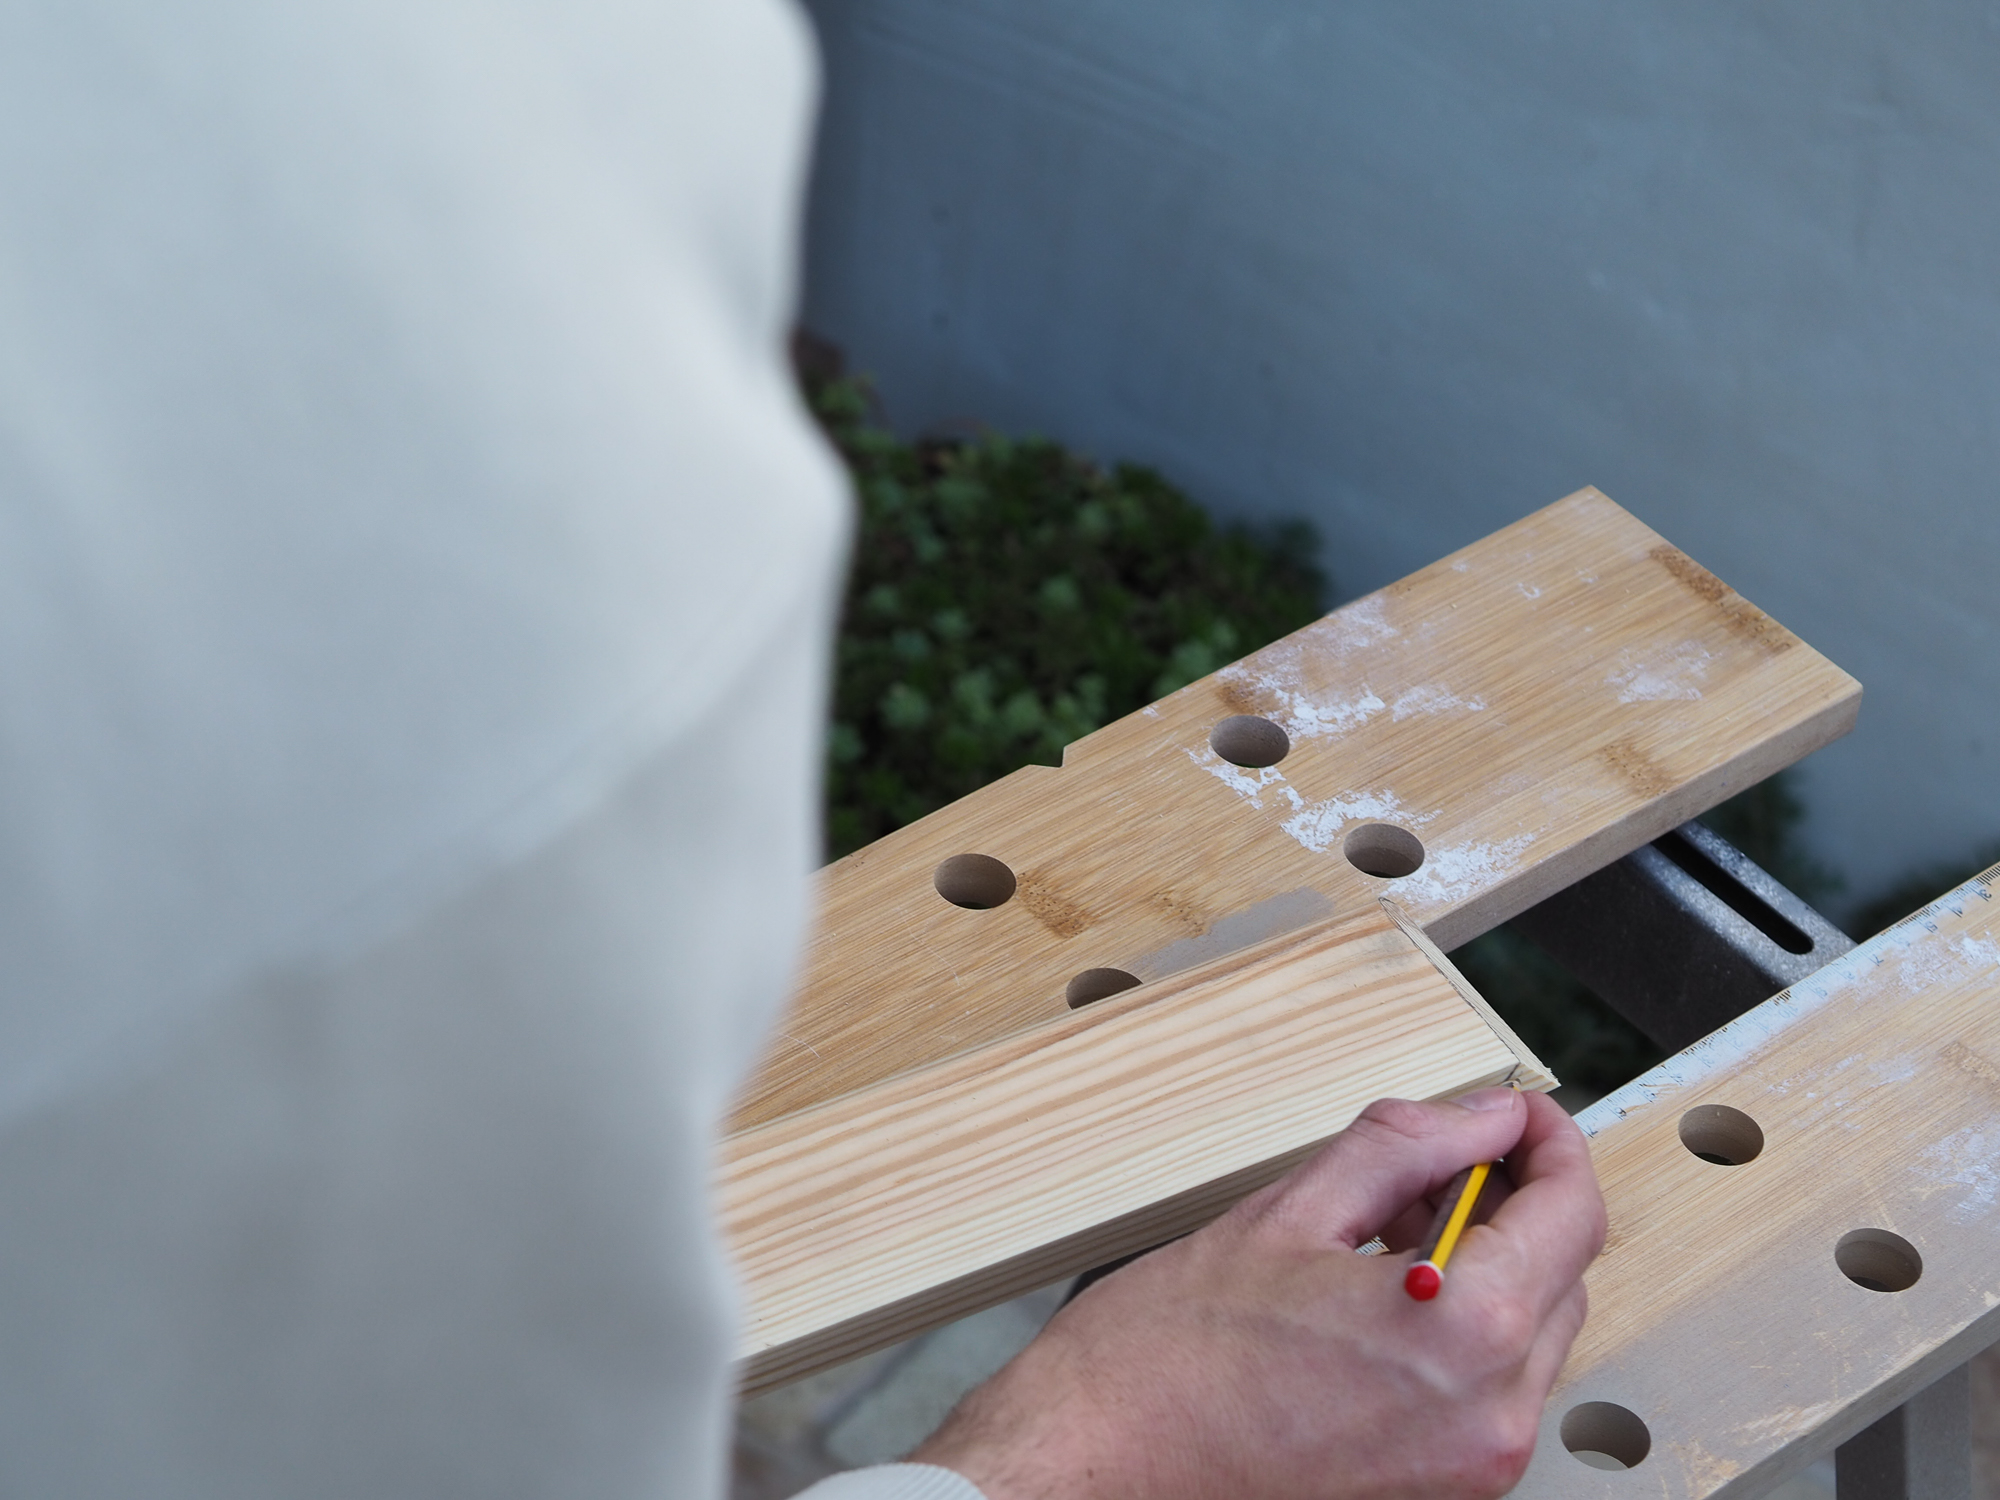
[1105, 1131]
[1531, 708]
[1718, 1314]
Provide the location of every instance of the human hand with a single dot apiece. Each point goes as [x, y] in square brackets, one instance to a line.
[1262, 1357]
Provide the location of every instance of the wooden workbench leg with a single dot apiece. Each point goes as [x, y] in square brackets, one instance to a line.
[1921, 1451]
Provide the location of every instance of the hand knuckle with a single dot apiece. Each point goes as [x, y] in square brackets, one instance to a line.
[1490, 1461]
[1509, 1329]
[1514, 1446]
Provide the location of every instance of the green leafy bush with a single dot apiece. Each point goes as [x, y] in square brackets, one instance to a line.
[1008, 597]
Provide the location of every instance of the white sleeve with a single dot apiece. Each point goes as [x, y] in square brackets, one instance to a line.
[415, 582]
[896, 1482]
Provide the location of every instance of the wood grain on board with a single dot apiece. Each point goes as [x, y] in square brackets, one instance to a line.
[1530, 709]
[1102, 1132]
[1720, 1315]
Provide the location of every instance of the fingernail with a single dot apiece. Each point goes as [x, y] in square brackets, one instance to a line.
[1500, 1098]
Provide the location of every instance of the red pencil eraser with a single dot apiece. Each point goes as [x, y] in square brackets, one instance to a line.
[1423, 1281]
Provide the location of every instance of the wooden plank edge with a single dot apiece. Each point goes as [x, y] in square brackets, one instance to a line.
[987, 1055]
[1531, 1072]
[1151, 1224]
[1859, 1414]
[1156, 1224]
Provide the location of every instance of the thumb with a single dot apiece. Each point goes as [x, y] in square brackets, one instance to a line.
[1396, 1152]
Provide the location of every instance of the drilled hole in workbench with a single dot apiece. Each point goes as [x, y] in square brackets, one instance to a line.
[1095, 984]
[1719, 1134]
[1878, 1260]
[977, 882]
[1606, 1436]
[1384, 849]
[1246, 740]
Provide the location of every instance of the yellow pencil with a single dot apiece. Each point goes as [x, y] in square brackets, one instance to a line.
[1424, 1279]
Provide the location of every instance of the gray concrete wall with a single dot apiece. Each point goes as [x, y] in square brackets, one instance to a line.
[1414, 269]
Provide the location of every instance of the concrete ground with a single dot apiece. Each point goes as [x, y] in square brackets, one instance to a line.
[878, 1408]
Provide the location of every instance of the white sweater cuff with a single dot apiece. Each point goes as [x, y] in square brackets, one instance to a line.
[896, 1482]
